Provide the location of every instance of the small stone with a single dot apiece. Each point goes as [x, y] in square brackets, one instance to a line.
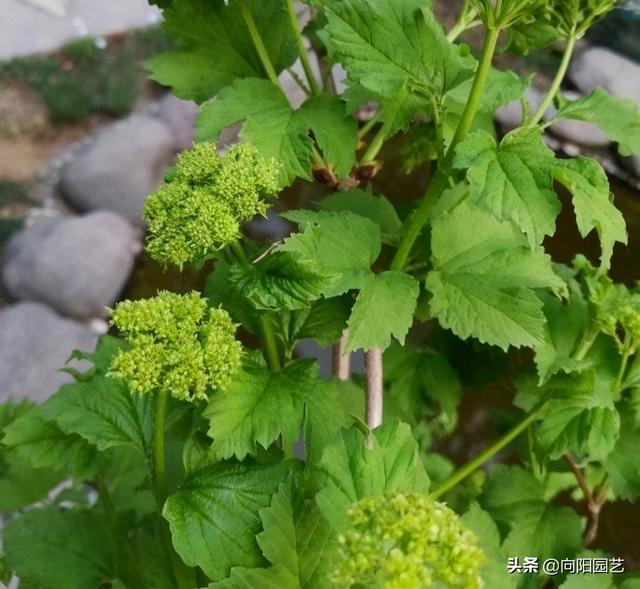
[179, 116]
[77, 265]
[35, 344]
[596, 66]
[124, 163]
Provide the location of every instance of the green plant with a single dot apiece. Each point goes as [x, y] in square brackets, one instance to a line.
[84, 78]
[191, 440]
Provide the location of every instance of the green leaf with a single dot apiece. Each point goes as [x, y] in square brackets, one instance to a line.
[215, 47]
[415, 379]
[503, 86]
[589, 185]
[259, 407]
[104, 413]
[359, 465]
[622, 464]
[515, 499]
[296, 541]
[340, 246]
[385, 45]
[270, 124]
[618, 118]
[364, 203]
[324, 322]
[152, 557]
[53, 548]
[214, 517]
[513, 179]
[566, 322]
[21, 484]
[384, 308]
[279, 131]
[220, 291]
[580, 415]
[494, 572]
[45, 445]
[482, 282]
[278, 282]
[335, 133]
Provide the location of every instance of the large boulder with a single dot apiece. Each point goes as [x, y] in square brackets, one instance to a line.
[121, 166]
[180, 117]
[77, 265]
[596, 66]
[35, 343]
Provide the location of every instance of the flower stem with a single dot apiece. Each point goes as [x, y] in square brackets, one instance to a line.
[439, 181]
[464, 22]
[159, 466]
[304, 56]
[470, 467]
[258, 43]
[557, 81]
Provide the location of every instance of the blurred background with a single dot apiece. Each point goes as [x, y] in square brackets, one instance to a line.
[85, 137]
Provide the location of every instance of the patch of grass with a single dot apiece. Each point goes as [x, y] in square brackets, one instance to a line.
[85, 78]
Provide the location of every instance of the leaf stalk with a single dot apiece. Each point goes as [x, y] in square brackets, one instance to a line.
[557, 81]
[470, 467]
[440, 179]
[258, 43]
[302, 50]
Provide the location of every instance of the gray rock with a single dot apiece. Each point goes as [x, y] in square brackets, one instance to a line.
[35, 343]
[77, 265]
[179, 116]
[509, 116]
[596, 66]
[124, 163]
[574, 131]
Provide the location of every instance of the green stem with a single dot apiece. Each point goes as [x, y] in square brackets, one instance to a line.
[475, 95]
[440, 179]
[557, 81]
[258, 43]
[473, 465]
[269, 345]
[369, 125]
[375, 146]
[465, 21]
[302, 51]
[159, 466]
[585, 345]
[626, 354]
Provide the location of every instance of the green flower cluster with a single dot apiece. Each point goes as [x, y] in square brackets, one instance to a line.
[176, 342]
[205, 198]
[614, 307]
[406, 541]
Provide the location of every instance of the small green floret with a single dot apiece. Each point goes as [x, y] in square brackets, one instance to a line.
[205, 199]
[406, 541]
[177, 343]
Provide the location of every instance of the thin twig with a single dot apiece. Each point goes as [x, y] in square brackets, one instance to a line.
[594, 502]
[341, 360]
